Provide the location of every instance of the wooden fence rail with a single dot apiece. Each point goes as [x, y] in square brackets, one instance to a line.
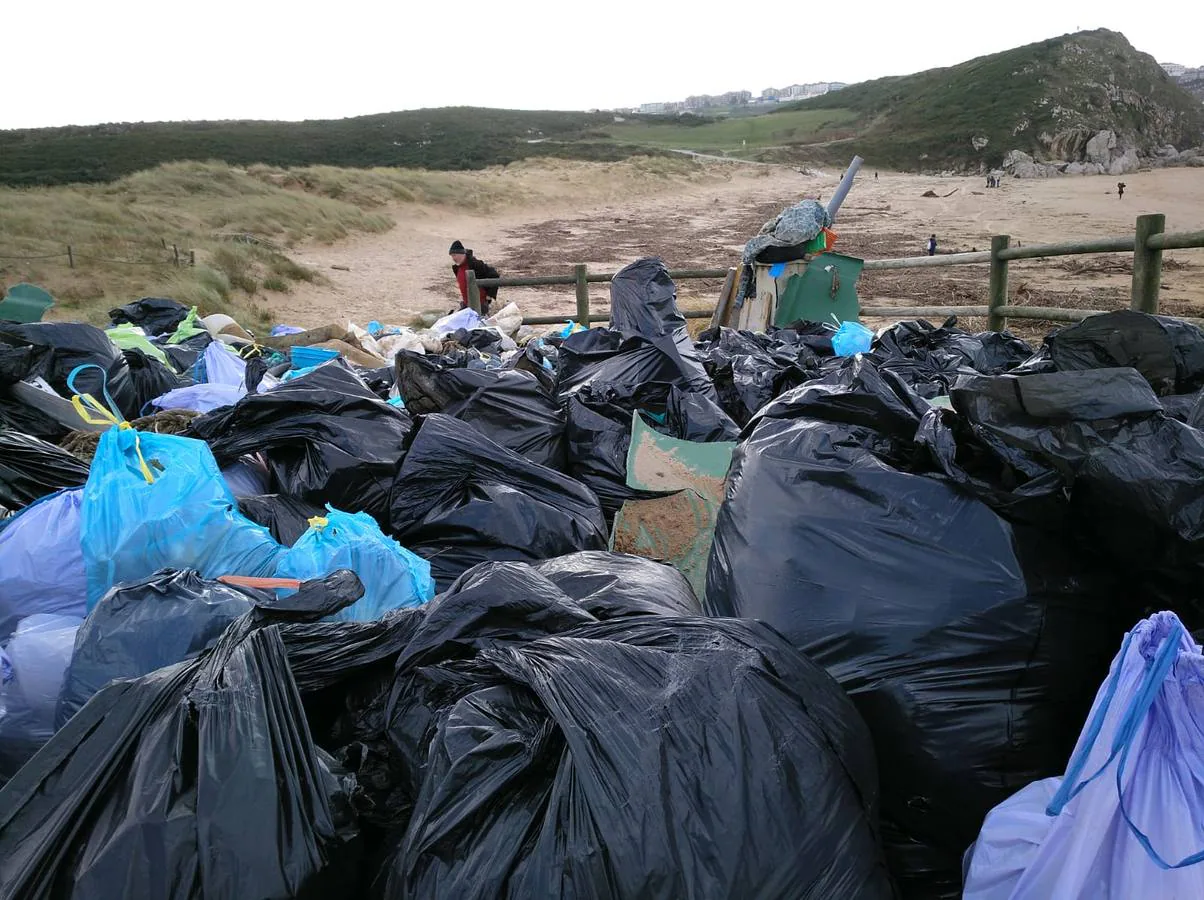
[1147, 244]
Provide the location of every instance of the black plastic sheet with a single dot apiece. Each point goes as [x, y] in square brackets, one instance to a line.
[185, 354]
[513, 408]
[151, 378]
[599, 430]
[1132, 472]
[59, 347]
[749, 369]
[326, 437]
[972, 643]
[460, 499]
[31, 468]
[286, 517]
[145, 625]
[551, 754]
[154, 315]
[1169, 353]
[198, 780]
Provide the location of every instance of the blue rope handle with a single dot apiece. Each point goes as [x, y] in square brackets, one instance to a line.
[1139, 707]
[104, 386]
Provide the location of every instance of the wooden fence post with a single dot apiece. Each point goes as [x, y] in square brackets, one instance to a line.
[176, 251]
[1147, 264]
[192, 257]
[70, 257]
[998, 299]
[474, 292]
[582, 295]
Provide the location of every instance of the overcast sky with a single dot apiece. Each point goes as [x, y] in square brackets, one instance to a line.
[73, 62]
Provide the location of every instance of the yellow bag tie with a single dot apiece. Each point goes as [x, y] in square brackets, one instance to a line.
[317, 522]
[94, 413]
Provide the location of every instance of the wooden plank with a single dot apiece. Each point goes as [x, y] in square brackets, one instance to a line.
[1187, 240]
[580, 273]
[1071, 248]
[929, 262]
[998, 290]
[1147, 264]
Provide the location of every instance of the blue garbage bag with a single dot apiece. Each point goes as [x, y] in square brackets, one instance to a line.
[156, 501]
[1125, 819]
[393, 577]
[41, 563]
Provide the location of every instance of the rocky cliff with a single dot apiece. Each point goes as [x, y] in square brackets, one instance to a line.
[1087, 99]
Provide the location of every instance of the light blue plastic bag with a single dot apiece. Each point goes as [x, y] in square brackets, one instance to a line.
[1125, 820]
[393, 577]
[224, 366]
[200, 398]
[41, 563]
[154, 501]
[851, 338]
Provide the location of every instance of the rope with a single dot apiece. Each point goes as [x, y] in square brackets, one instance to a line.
[47, 256]
[82, 444]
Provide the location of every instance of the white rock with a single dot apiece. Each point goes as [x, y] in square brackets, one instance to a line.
[1125, 163]
[1099, 148]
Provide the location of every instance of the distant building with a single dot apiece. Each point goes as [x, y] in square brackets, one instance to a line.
[801, 91]
[1173, 69]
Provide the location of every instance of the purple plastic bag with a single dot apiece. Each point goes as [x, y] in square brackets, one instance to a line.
[1126, 819]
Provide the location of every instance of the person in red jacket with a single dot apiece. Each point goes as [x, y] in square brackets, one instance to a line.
[462, 261]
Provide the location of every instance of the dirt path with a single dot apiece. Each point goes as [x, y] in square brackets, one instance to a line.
[704, 221]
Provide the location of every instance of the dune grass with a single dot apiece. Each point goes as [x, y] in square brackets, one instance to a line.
[234, 228]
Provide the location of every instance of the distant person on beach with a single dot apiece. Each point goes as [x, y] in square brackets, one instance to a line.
[932, 245]
[463, 261]
[875, 176]
[1120, 190]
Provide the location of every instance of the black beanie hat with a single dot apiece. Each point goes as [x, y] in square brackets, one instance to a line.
[456, 247]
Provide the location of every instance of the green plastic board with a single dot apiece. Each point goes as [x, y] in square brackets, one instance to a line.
[825, 292]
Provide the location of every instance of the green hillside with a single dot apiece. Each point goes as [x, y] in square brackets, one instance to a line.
[1020, 99]
[1041, 98]
[449, 139]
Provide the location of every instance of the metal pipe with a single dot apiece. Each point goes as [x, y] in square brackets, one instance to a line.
[842, 189]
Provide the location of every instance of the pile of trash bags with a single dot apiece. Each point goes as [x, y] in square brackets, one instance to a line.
[351, 592]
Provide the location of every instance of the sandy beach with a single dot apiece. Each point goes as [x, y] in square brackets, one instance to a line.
[576, 212]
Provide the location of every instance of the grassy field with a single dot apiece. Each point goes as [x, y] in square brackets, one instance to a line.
[732, 135]
[239, 225]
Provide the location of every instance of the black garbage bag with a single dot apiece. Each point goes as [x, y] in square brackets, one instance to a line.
[647, 339]
[154, 315]
[613, 585]
[460, 499]
[551, 754]
[380, 380]
[151, 378]
[198, 780]
[1168, 352]
[972, 645]
[142, 626]
[31, 468]
[286, 517]
[515, 409]
[185, 354]
[988, 352]
[599, 430]
[326, 438]
[1133, 473]
[751, 369]
[60, 347]
[929, 359]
